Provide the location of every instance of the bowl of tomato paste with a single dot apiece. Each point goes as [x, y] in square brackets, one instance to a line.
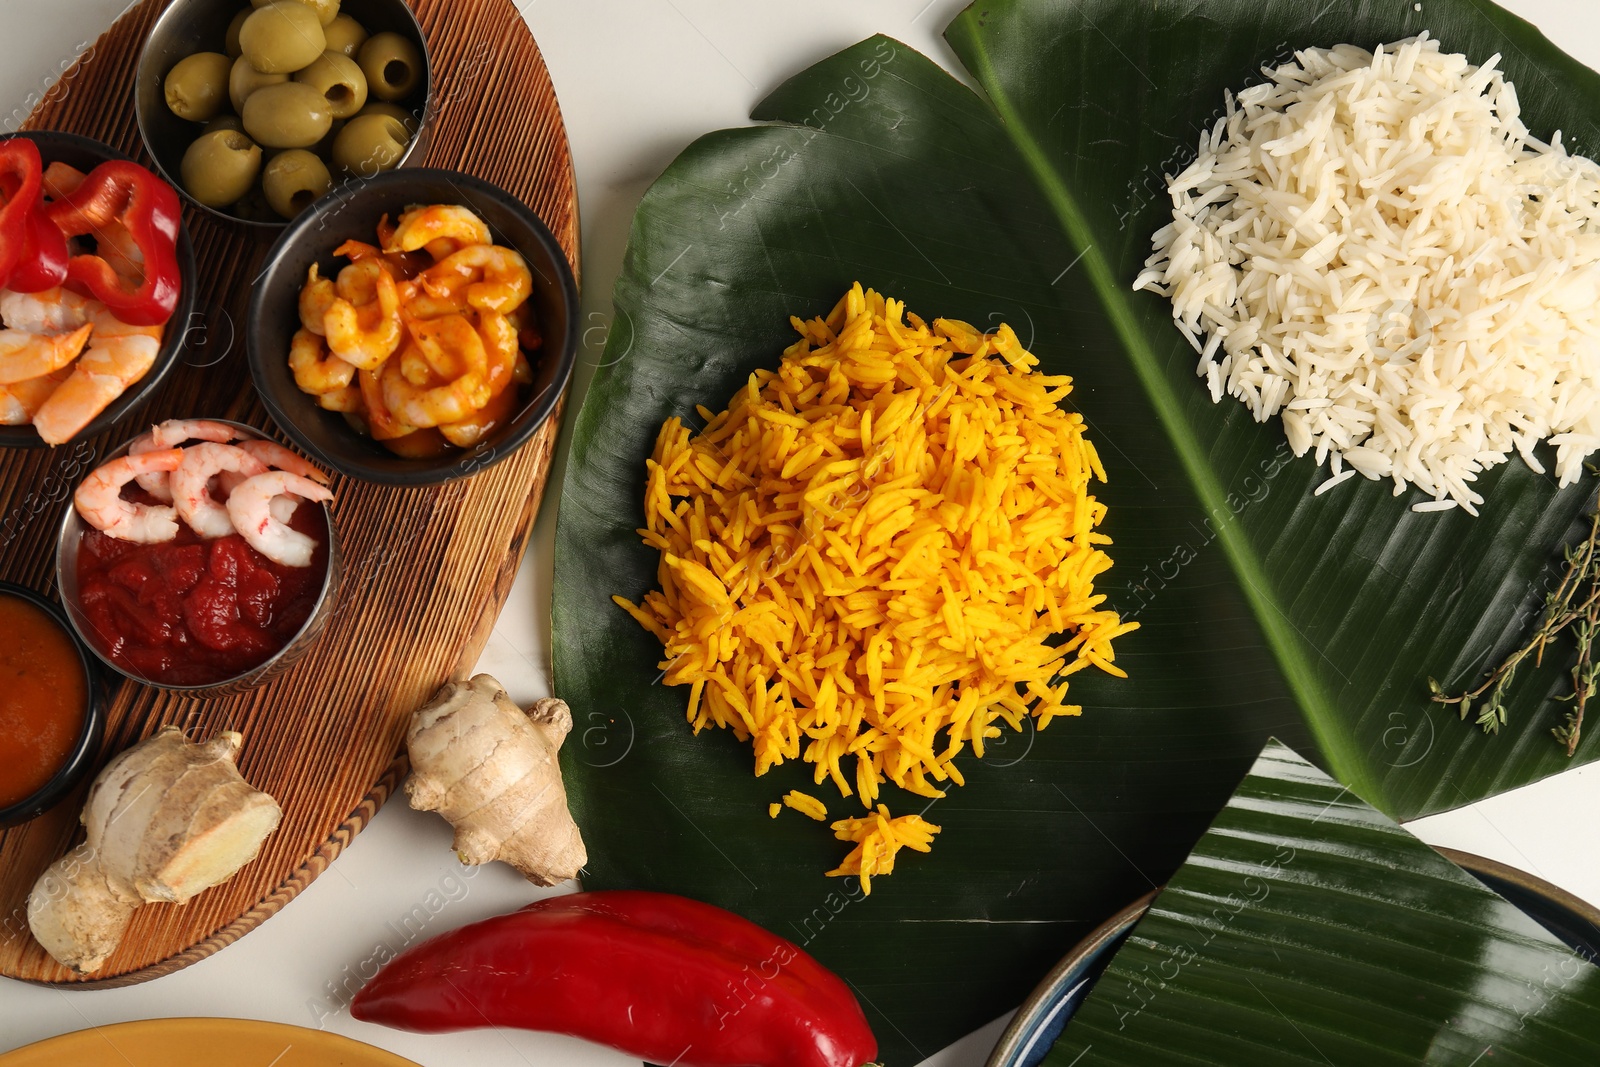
[196, 612]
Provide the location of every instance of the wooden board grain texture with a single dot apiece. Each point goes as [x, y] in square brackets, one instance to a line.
[426, 570]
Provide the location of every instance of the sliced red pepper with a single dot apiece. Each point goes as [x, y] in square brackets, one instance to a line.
[41, 260]
[119, 191]
[44, 256]
[660, 977]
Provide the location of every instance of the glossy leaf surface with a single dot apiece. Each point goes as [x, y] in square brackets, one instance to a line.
[1265, 611]
[1307, 928]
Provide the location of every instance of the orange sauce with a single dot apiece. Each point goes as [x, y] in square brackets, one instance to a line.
[42, 698]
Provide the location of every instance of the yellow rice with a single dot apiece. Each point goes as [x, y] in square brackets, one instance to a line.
[877, 838]
[806, 805]
[866, 559]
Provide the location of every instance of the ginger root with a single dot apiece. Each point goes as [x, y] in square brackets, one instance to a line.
[491, 770]
[163, 821]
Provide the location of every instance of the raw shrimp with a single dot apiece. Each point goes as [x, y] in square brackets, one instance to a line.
[315, 299]
[420, 225]
[250, 507]
[24, 356]
[171, 434]
[20, 401]
[99, 499]
[101, 374]
[316, 370]
[367, 335]
[191, 485]
[496, 278]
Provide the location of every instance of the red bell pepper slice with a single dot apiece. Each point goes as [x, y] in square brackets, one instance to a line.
[33, 251]
[44, 256]
[122, 192]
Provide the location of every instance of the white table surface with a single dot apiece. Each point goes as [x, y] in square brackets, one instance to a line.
[638, 80]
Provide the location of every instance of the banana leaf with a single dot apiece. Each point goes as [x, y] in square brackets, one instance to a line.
[1265, 611]
[1307, 928]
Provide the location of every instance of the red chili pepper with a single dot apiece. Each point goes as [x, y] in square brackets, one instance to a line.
[660, 977]
[33, 253]
[122, 192]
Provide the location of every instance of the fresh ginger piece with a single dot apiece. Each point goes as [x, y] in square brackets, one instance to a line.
[163, 821]
[491, 769]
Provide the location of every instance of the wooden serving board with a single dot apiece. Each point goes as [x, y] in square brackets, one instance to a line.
[426, 570]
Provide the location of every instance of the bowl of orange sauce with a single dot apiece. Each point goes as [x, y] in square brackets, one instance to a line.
[51, 720]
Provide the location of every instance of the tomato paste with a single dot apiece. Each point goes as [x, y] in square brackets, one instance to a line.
[196, 612]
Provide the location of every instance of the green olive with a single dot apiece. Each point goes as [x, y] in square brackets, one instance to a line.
[392, 64]
[282, 37]
[344, 34]
[394, 111]
[220, 167]
[291, 115]
[337, 77]
[369, 144]
[225, 121]
[327, 10]
[197, 88]
[232, 40]
[244, 80]
[294, 180]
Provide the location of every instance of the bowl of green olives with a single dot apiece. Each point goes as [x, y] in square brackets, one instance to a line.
[254, 109]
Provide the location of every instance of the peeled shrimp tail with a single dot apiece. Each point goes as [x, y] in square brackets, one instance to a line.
[99, 498]
[250, 507]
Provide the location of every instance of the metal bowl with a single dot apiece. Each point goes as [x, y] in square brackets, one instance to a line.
[353, 212]
[190, 26]
[85, 153]
[67, 542]
[81, 758]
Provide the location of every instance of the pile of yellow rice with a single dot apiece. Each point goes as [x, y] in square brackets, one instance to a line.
[867, 558]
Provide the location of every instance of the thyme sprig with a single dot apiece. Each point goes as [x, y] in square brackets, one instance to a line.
[1573, 605]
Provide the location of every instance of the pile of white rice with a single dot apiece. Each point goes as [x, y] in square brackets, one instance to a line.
[1374, 247]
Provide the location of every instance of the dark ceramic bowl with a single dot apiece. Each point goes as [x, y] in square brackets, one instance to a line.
[86, 154]
[67, 541]
[353, 211]
[82, 756]
[190, 26]
[1041, 1018]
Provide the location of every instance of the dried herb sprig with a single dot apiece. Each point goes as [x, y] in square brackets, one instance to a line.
[1574, 605]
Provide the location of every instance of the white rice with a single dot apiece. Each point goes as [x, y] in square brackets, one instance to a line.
[1375, 248]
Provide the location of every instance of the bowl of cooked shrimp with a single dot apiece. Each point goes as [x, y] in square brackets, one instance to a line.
[200, 556]
[415, 328]
[96, 287]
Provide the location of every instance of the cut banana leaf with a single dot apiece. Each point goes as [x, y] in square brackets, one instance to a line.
[1265, 611]
[1308, 929]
